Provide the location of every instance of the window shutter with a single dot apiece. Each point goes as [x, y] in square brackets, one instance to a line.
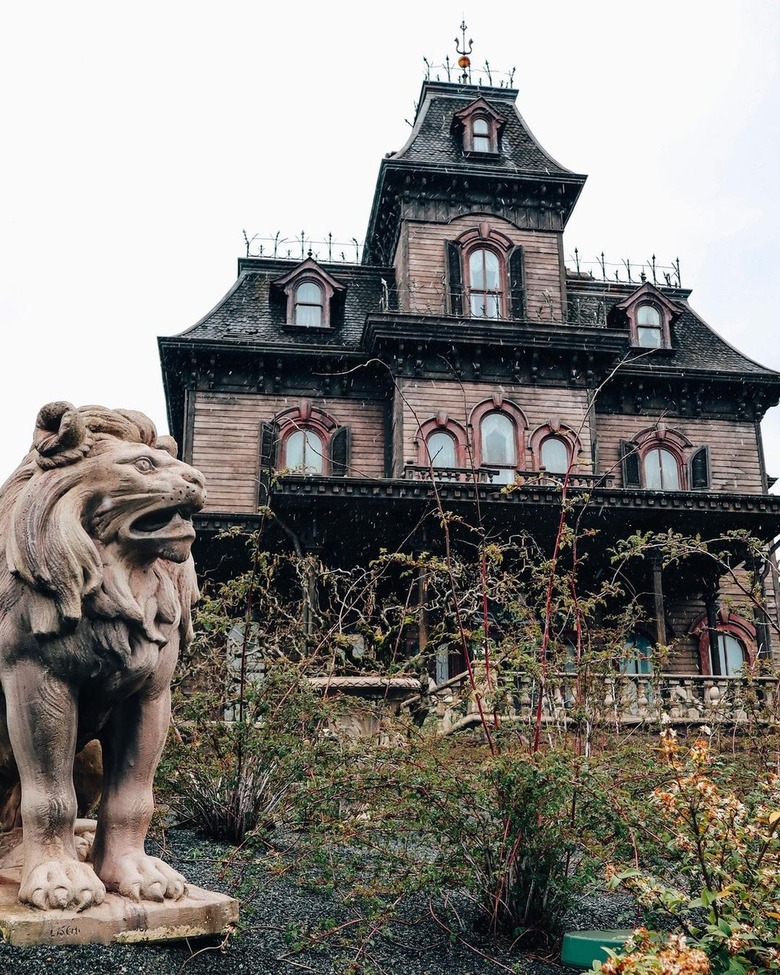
[339, 452]
[700, 469]
[629, 459]
[455, 279]
[517, 284]
[269, 448]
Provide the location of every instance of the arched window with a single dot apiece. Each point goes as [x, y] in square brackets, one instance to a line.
[480, 135]
[555, 455]
[649, 327]
[309, 304]
[735, 644]
[486, 294]
[499, 427]
[442, 442]
[485, 278]
[304, 440]
[657, 460]
[661, 470]
[731, 654]
[302, 452]
[498, 439]
[440, 447]
[555, 447]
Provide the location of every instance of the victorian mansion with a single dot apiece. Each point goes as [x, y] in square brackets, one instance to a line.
[461, 356]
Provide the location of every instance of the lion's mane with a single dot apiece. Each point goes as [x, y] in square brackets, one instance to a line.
[43, 540]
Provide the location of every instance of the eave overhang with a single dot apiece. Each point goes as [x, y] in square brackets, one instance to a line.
[552, 191]
[385, 332]
[182, 358]
[665, 368]
[615, 512]
[760, 391]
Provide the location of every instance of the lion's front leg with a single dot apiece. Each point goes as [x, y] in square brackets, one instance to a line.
[42, 721]
[132, 745]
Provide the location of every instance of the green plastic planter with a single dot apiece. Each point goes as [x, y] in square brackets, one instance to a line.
[582, 948]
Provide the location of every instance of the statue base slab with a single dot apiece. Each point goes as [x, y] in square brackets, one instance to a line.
[201, 913]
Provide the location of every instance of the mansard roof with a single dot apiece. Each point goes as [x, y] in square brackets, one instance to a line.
[253, 312]
[435, 164]
[695, 346]
[432, 140]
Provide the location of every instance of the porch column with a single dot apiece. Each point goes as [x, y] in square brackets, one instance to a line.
[658, 593]
[311, 545]
[759, 613]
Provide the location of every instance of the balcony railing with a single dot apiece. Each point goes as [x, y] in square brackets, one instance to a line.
[619, 699]
[489, 475]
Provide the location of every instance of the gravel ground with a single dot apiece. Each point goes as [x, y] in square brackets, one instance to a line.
[274, 912]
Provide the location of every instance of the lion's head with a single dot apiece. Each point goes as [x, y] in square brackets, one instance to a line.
[98, 497]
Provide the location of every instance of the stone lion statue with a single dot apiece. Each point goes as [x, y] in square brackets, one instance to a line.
[96, 589]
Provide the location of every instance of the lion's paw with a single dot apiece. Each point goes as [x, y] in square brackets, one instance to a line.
[61, 884]
[84, 837]
[142, 877]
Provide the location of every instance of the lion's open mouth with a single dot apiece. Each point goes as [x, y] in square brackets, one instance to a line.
[164, 518]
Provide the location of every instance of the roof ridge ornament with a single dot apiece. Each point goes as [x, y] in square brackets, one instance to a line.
[463, 48]
[464, 61]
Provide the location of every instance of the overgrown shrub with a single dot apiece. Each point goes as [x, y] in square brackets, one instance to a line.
[529, 862]
[516, 818]
[721, 887]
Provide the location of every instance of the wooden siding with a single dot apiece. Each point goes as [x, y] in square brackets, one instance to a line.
[422, 273]
[225, 443]
[734, 458]
[423, 398]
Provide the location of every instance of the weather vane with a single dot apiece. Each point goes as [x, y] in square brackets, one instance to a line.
[464, 61]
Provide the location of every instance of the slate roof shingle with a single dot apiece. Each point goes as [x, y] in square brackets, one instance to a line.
[696, 346]
[254, 312]
[433, 142]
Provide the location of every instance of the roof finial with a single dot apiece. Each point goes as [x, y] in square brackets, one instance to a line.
[464, 61]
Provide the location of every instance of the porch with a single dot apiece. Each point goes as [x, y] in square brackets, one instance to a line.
[618, 700]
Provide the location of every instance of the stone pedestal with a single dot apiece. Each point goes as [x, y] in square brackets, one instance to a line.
[200, 914]
[117, 919]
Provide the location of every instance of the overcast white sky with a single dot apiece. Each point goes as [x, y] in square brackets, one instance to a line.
[140, 139]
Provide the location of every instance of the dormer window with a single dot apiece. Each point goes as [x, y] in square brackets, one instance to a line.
[309, 304]
[479, 128]
[649, 327]
[311, 295]
[649, 316]
[480, 136]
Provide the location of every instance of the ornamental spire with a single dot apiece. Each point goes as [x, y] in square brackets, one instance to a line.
[464, 61]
